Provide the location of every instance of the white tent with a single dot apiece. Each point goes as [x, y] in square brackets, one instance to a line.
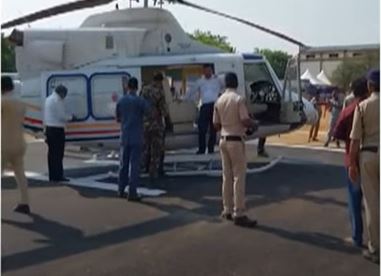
[323, 78]
[308, 76]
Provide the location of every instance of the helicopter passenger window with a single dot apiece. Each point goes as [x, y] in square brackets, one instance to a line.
[76, 99]
[106, 89]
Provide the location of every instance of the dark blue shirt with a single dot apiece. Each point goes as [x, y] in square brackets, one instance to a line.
[130, 112]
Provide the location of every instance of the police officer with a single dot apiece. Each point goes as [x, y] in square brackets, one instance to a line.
[154, 128]
[130, 111]
[364, 161]
[231, 118]
[13, 145]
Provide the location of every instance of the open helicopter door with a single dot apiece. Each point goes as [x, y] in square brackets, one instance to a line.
[183, 114]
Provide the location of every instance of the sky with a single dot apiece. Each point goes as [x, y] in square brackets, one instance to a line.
[313, 22]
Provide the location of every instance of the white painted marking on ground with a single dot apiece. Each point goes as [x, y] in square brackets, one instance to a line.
[250, 171]
[91, 182]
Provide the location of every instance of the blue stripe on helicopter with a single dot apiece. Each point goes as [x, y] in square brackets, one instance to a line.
[252, 56]
[33, 128]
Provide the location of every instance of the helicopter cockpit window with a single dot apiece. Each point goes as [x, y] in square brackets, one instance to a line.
[76, 99]
[106, 90]
[259, 84]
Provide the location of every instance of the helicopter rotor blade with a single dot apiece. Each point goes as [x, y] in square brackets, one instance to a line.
[243, 21]
[56, 10]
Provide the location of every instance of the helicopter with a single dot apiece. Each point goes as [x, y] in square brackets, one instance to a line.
[94, 60]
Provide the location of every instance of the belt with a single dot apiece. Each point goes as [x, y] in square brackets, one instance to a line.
[231, 138]
[370, 148]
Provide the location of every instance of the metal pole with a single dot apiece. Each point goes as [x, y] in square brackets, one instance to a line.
[146, 3]
[285, 79]
[299, 83]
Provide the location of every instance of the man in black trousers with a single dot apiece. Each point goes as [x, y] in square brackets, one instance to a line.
[55, 119]
[209, 87]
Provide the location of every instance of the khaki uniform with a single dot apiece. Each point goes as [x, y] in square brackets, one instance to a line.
[366, 127]
[229, 111]
[13, 145]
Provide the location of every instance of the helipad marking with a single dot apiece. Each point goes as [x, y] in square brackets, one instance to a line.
[91, 182]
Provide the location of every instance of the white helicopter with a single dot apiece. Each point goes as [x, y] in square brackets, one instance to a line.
[94, 60]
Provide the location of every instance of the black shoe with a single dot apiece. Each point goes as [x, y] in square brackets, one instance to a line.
[22, 208]
[162, 173]
[134, 198]
[64, 179]
[263, 154]
[122, 194]
[374, 257]
[227, 216]
[200, 152]
[210, 151]
[244, 221]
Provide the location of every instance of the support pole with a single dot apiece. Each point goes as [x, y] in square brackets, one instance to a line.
[299, 83]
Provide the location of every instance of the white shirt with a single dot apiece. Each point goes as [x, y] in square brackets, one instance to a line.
[54, 111]
[348, 100]
[209, 90]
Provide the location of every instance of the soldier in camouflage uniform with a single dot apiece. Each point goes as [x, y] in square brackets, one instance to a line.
[154, 127]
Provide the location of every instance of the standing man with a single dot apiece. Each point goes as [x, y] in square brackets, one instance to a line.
[13, 145]
[336, 107]
[130, 110]
[232, 118]
[314, 131]
[350, 98]
[342, 131]
[365, 161]
[209, 87]
[154, 128]
[55, 119]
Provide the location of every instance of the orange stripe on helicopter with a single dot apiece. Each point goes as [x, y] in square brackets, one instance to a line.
[83, 126]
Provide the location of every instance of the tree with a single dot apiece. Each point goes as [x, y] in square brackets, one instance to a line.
[277, 59]
[210, 39]
[8, 63]
[351, 69]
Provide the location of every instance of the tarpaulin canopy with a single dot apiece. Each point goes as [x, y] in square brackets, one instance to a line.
[323, 78]
[308, 77]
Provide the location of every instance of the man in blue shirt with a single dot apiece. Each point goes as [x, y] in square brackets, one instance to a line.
[129, 113]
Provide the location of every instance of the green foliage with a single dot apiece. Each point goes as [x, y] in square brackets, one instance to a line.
[353, 68]
[8, 63]
[210, 39]
[277, 59]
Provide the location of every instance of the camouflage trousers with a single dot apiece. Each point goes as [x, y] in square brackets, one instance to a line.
[153, 151]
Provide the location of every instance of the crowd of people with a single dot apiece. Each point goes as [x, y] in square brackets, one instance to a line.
[144, 120]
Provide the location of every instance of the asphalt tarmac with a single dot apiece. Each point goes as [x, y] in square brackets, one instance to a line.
[300, 205]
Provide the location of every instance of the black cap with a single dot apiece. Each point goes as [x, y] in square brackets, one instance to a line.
[6, 84]
[158, 76]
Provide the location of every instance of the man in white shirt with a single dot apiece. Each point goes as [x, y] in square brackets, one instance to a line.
[55, 119]
[209, 87]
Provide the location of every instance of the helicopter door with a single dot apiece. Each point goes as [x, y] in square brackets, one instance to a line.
[106, 88]
[76, 101]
